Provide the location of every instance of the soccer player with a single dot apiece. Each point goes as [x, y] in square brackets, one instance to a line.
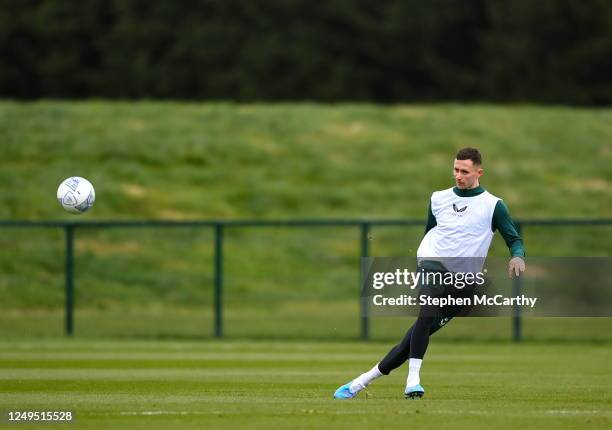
[461, 223]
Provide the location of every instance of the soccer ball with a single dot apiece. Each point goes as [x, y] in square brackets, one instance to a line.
[76, 195]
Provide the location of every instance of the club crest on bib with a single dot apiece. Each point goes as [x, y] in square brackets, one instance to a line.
[458, 211]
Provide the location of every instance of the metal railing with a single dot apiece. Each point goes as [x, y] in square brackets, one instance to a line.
[218, 226]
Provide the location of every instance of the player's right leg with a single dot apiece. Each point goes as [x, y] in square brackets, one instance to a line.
[354, 387]
[397, 356]
[394, 358]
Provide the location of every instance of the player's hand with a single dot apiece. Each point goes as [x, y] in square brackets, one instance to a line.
[516, 265]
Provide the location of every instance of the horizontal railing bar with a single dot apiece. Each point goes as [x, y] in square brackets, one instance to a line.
[276, 223]
[211, 223]
[569, 221]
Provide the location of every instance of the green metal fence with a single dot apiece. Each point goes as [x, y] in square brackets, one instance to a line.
[218, 227]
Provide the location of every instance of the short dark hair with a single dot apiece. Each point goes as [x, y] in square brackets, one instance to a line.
[470, 154]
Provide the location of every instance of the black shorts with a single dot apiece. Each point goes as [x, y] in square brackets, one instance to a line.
[439, 287]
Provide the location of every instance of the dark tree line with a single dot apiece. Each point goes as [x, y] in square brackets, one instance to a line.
[547, 51]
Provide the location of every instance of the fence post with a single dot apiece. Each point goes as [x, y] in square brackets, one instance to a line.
[517, 288]
[218, 290]
[69, 234]
[365, 252]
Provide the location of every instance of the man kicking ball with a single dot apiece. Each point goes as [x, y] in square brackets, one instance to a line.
[461, 223]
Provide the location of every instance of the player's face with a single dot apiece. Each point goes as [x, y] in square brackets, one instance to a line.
[467, 174]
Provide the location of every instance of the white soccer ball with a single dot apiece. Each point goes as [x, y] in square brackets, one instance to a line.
[76, 195]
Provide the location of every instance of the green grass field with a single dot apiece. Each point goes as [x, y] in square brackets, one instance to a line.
[227, 385]
[142, 355]
[265, 161]
[207, 160]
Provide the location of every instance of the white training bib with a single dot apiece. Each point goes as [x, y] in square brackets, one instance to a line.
[463, 226]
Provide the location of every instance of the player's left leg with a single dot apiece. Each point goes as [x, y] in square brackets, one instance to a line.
[429, 321]
[418, 346]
